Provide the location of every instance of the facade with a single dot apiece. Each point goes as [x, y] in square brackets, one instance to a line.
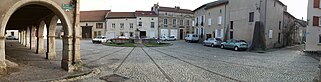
[121, 24]
[147, 24]
[211, 20]
[93, 23]
[174, 21]
[313, 39]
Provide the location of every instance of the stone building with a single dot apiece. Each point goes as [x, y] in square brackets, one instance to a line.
[211, 20]
[30, 17]
[14, 33]
[259, 22]
[174, 21]
[313, 39]
[93, 23]
[121, 24]
[147, 24]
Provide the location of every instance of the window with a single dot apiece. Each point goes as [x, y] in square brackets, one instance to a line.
[231, 34]
[166, 14]
[316, 21]
[280, 25]
[279, 38]
[131, 34]
[140, 18]
[152, 24]
[316, 4]
[152, 18]
[165, 21]
[218, 33]
[251, 17]
[99, 33]
[187, 22]
[140, 23]
[232, 24]
[197, 21]
[220, 10]
[209, 22]
[270, 34]
[99, 25]
[203, 19]
[174, 21]
[131, 25]
[121, 25]
[113, 25]
[219, 20]
[12, 33]
[181, 22]
[320, 39]
[274, 3]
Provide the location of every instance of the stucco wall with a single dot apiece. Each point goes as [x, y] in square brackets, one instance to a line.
[313, 32]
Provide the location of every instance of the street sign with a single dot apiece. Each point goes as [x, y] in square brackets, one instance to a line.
[67, 7]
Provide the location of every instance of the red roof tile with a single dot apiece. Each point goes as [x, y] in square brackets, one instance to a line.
[176, 9]
[93, 16]
[113, 15]
[145, 14]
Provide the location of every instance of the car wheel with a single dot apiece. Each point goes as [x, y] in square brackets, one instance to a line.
[236, 48]
[212, 45]
[222, 46]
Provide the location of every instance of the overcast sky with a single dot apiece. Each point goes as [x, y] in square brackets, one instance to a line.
[298, 8]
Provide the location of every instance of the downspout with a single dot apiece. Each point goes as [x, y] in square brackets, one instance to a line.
[264, 45]
[226, 35]
[75, 3]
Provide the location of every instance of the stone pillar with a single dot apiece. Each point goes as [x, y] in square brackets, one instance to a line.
[51, 45]
[51, 38]
[40, 41]
[28, 38]
[67, 54]
[19, 36]
[2, 55]
[33, 39]
[24, 38]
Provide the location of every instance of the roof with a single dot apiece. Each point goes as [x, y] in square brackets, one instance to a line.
[176, 10]
[302, 22]
[115, 15]
[93, 16]
[145, 14]
[212, 4]
[287, 13]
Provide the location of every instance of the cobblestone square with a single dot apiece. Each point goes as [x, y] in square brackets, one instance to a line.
[192, 62]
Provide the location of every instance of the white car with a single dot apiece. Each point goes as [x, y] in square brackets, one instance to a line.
[191, 38]
[170, 38]
[212, 42]
[100, 39]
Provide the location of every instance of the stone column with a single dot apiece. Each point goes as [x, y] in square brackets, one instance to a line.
[2, 55]
[19, 36]
[67, 54]
[51, 38]
[24, 38]
[40, 41]
[28, 38]
[33, 39]
[51, 44]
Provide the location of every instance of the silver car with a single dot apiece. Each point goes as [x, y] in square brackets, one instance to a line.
[212, 42]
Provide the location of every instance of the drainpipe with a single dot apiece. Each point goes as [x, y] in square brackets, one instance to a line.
[226, 35]
[75, 3]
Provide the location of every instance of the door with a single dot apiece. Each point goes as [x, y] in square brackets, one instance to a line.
[181, 34]
[152, 34]
[164, 32]
[142, 34]
[86, 32]
[95, 34]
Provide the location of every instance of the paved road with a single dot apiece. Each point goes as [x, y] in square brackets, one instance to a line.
[192, 62]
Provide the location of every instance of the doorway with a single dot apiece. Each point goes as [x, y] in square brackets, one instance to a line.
[181, 34]
[86, 32]
[142, 34]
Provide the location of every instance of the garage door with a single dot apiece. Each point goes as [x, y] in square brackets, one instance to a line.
[164, 32]
[174, 32]
[111, 35]
[152, 34]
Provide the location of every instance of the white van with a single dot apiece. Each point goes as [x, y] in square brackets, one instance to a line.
[191, 38]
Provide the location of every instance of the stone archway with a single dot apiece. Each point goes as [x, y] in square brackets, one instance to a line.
[70, 53]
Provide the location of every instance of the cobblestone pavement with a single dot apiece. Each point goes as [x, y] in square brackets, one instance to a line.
[192, 62]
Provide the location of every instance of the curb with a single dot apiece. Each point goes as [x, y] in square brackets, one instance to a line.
[92, 73]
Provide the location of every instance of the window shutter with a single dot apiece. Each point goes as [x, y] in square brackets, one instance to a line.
[315, 21]
[316, 4]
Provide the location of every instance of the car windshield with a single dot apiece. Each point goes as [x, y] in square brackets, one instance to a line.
[172, 37]
[194, 35]
[100, 37]
[218, 39]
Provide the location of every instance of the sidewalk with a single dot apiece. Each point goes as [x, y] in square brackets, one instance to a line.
[34, 67]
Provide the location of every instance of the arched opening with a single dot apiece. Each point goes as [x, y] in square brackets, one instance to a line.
[30, 17]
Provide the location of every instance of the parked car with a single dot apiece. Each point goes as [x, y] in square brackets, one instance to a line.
[172, 38]
[166, 38]
[11, 38]
[212, 42]
[100, 39]
[235, 44]
[191, 38]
